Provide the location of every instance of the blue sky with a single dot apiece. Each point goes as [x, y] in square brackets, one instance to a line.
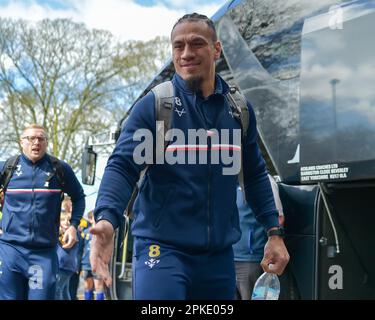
[126, 19]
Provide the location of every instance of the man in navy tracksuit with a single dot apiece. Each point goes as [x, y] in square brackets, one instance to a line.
[186, 218]
[31, 219]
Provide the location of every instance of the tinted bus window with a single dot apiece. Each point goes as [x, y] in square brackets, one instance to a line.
[337, 116]
[262, 46]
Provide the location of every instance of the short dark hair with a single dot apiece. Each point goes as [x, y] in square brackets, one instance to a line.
[194, 17]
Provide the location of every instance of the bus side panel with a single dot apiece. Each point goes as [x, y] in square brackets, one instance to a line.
[299, 204]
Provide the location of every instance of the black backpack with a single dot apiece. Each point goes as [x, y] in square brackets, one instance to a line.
[164, 105]
[11, 164]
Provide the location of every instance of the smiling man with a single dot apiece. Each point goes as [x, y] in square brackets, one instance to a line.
[31, 215]
[185, 216]
[195, 48]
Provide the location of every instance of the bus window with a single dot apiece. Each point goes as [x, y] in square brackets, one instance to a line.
[337, 114]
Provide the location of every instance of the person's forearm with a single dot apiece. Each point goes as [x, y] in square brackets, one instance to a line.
[122, 171]
[260, 198]
[258, 190]
[113, 197]
[78, 207]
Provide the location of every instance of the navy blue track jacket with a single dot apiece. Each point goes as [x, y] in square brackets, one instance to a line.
[190, 206]
[31, 212]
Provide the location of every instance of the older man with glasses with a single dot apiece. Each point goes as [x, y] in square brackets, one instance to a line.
[31, 215]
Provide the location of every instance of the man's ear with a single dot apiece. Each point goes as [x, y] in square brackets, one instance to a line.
[217, 47]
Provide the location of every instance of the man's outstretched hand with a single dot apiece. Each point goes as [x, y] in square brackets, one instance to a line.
[101, 249]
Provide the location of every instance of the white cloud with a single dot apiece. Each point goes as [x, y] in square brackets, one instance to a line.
[123, 18]
[127, 19]
[31, 11]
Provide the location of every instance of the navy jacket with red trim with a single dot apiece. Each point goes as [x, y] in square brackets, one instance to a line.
[32, 207]
[191, 206]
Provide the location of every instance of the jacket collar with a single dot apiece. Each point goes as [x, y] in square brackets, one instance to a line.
[221, 87]
[28, 161]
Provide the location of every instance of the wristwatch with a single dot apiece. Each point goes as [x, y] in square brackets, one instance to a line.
[276, 232]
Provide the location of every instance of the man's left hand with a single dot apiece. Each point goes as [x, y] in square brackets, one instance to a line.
[70, 237]
[275, 253]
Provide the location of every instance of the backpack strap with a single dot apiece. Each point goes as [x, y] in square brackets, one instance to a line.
[238, 104]
[58, 171]
[6, 174]
[164, 104]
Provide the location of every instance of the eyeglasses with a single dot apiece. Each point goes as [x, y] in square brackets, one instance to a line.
[32, 139]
